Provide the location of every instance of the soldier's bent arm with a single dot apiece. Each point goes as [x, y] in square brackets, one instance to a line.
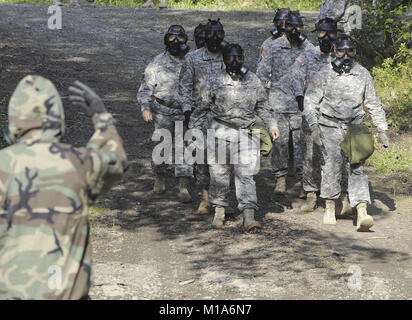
[374, 105]
[264, 67]
[186, 83]
[263, 110]
[106, 156]
[296, 78]
[145, 93]
[313, 98]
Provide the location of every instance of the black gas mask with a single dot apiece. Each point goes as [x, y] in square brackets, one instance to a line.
[279, 22]
[294, 28]
[200, 36]
[233, 58]
[327, 34]
[326, 39]
[214, 35]
[175, 40]
[345, 51]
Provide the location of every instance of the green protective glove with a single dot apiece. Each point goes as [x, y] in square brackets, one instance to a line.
[384, 139]
[86, 98]
[316, 135]
[265, 139]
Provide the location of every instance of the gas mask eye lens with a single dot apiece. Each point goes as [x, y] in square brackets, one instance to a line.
[352, 52]
[289, 27]
[239, 59]
[322, 34]
[299, 28]
[209, 34]
[332, 35]
[181, 38]
[172, 37]
[230, 59]
[220, 34]
[340, 53]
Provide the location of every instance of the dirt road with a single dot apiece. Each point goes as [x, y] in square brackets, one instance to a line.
[151, 247]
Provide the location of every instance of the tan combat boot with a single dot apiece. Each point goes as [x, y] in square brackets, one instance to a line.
[183, 195]
[365, 221]
[249, 221]
[204, 205]
[219, 217]
[329, 215]
[280, 186]
[344, 209]
[160, 184]
[310, 203]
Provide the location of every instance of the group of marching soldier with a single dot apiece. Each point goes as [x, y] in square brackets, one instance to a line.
[309, 99]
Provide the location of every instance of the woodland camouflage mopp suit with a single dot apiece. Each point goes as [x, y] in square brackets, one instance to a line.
[45, 191]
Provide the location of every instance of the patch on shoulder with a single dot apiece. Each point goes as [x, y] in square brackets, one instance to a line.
[147, 71]
[264, 52]
[202, 90]
[315, 80]
[300, 59]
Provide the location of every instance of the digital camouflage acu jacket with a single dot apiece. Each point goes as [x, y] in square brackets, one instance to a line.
[342, 96]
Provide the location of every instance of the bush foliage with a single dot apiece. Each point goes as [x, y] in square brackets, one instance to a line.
[384, 29]
[393, 81]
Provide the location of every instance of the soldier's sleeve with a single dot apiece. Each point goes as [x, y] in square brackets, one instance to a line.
[186, 83]
[264, 67]
[106, 156]
[374, 105]
[313, 98]
[263, 110]
[145, 93]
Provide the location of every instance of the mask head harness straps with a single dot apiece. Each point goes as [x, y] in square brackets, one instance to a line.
[175, 40]
[233, 58]
[280, 16]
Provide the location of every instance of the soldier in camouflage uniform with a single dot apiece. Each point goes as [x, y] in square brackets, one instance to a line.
[334, 101]
[279, 22]
[337, 10]
[157, 96]
[46, 188]
[277, 58]
[199, 67]
[233, 97]
[302, 71]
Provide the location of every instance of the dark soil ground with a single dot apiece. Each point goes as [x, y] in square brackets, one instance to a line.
[152, 247]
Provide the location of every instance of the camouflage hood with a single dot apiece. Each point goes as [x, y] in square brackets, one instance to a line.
[36, 111]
